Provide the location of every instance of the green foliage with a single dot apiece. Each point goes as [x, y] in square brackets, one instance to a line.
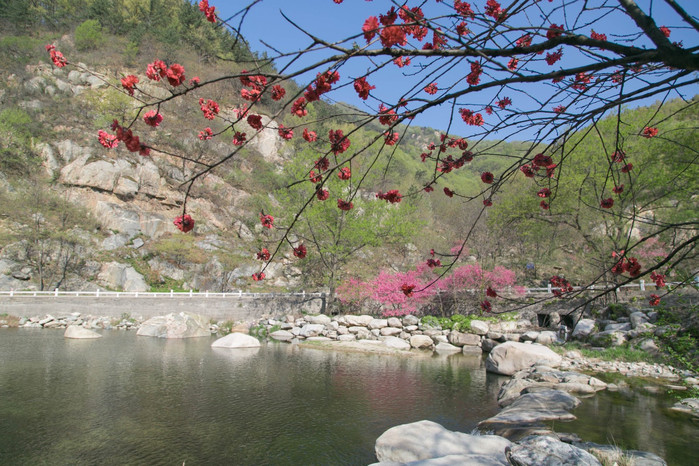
[261, 331]
[179, 249]
[88, 35]
[617, 353]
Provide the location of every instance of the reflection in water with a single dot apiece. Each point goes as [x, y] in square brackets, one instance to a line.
[124, 399]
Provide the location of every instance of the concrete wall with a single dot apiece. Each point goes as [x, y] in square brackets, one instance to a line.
[244, 308]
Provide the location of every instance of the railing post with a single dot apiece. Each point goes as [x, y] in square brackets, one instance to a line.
[12, 292]
[55, 292]
[172, 293]
[190, 293]
[136, 295]
[207, 294]
[97, 293]
[549, 288]
[240, 293]
[643, 285]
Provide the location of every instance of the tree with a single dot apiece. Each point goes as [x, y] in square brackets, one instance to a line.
[548, 71]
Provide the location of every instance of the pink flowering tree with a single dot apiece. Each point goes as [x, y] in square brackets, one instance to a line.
[497, 71]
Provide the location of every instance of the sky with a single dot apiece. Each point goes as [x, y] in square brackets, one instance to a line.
[265, 24]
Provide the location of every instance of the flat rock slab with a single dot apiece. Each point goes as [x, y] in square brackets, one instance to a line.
[182, 325]
[424, 440]
[236, 340]
[531, 408]
[548, 451]
[82, 333]
[511, 357]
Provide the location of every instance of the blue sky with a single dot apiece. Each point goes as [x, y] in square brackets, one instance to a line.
[333, 22]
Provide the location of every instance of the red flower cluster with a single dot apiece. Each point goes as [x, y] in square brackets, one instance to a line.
[596, 36]
[175, 74]
[486, 306]
[370, 27]
[239, 138]
[618, 156]
[544, 193]
[391, 138]
[400, 62]
[627, 168]
[344, 173]
[322, 84]
[322, 194]
[386, 116]
[338, 142]
[432, 263]
[559, 109]
[344, 205]
[524, 41]
[207, 10]
[206, 134]
[470, 118]
[607, 203]
[487, 202]
[554, 31]
[132, 143]
[315, 177]
[474, 77]
[322, 164]
[300, 251]
[654, 299]
[285, 133]
[258, 276]
[298, 108]
[56, 57]
[363, 87]
[309, 136]
[263, 255]
[431, 89]
[665, 31]
[464, 9]
[504, 102]
[392, 196]
[278, 92]
[107, 140]
[407, 289]
[255, 121]
[129, 82]
[153, 118]
[495, 11]
[209, 108]
[649, 132]
[184, 223]
[512, 64]
[552, 58]
[630, 265]
[491, 293]
[448, 192]
[581, 81]
[659, 279]
[156, 70]
[487, 177]
[267, 221]
[561, 285]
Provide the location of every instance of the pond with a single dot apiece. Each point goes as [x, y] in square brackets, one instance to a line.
[125, 399]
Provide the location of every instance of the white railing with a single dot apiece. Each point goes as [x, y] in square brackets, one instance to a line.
[148, 294]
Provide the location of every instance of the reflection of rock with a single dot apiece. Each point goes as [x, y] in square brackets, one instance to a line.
[122, 277]
[182, 325]
[540, 450]
[75, 331]
[688, 406]
[236, 340]
[511, 357]
[423, 440]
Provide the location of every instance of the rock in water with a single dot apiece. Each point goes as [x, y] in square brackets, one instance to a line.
[75, 331]
[182, 325]
[511, 357]
[545, 450]
[426, 439]
[236, 340]
[531, 408]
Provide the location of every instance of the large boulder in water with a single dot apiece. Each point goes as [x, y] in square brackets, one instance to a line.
[182, 325]
[236, 340]
[541, 450]
[511, 357]
[75, 331]
[423, 440]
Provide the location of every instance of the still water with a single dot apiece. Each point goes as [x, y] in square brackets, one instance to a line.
[124, 399]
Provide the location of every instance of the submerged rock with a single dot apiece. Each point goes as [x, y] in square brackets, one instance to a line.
[182, 325]
[78, 332]
[424, 440]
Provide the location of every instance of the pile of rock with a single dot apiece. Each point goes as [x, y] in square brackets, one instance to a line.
[72, 319]
[606, 333]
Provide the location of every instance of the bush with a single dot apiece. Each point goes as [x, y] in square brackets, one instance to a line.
[88, 35]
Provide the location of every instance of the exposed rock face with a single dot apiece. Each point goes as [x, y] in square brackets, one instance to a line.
[182, 325]
[546, 450]
[236, 340]
[511, 357]
[423, 440]
[122, 277]
[463, 339]
[78, 332]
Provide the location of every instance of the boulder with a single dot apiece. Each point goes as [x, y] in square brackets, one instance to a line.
[395, 322]
[182, 325]
[282, 335]
[390, 331]
[618, 327]
[584, 328]
[378, 324]
[423, 440]
[487, 345]
[479, 327]
[511, 357]
[410, 320]
[535, 407]
[320, 319]
[463, 339]
[531, 335]
[396, 343]
[607, 339]
[638, 318]
[421, 342]
[236, 340]
[547, 450]
[312, 330]
[358, 321]
[546, 337]
[78, 332]
[446, 348]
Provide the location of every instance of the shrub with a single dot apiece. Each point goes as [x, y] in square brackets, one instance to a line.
[88, 35]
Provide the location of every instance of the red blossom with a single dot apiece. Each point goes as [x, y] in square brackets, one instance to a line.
[487, 177]
[654, 300]
[300, 251]
[206, 134]
[527, 170]
[278, 92]
[524, 41]
[607, 203]
[386, 116]
[263, 255]
[487, 202]
[338, 142]
[554, 31]
[431, 89]
[344, 205]
[470, 118]
[184, 223]
[258, 276]
[391, 138]
[344, 173]
[488, 110]
[251, 95]
[400, 62]
[560, 109]
[267, 221]
[156, 70]
[665, 31]
[175, 74]
[541, 160]
[494, 10]
[486, 306]
[544, 205]
[552, 58]
[474, 77]
[128, 83]
[659, 279]
[649, 132]
[504, 102]
[194, 81]
[109, 141]
[209, 108]
[315, 177]
[432, 263]
[370, 27]
[618, 189]
[627, 168]
[322, 194]
[581, 81]
[464, 9]
[428, 189]
[407, 289]
[285, 133]
[448, 192]
[544, 192]
[512, 64]
[363, 87]
[392, 196]
[56, 57]
[462, 29]
[491, 293]
[207, 10]
[322, 164]
[255, 121]
[309, 136]
[239, 138]
[596, 36]
[618, 156]
[298, 108]
[153, 118]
